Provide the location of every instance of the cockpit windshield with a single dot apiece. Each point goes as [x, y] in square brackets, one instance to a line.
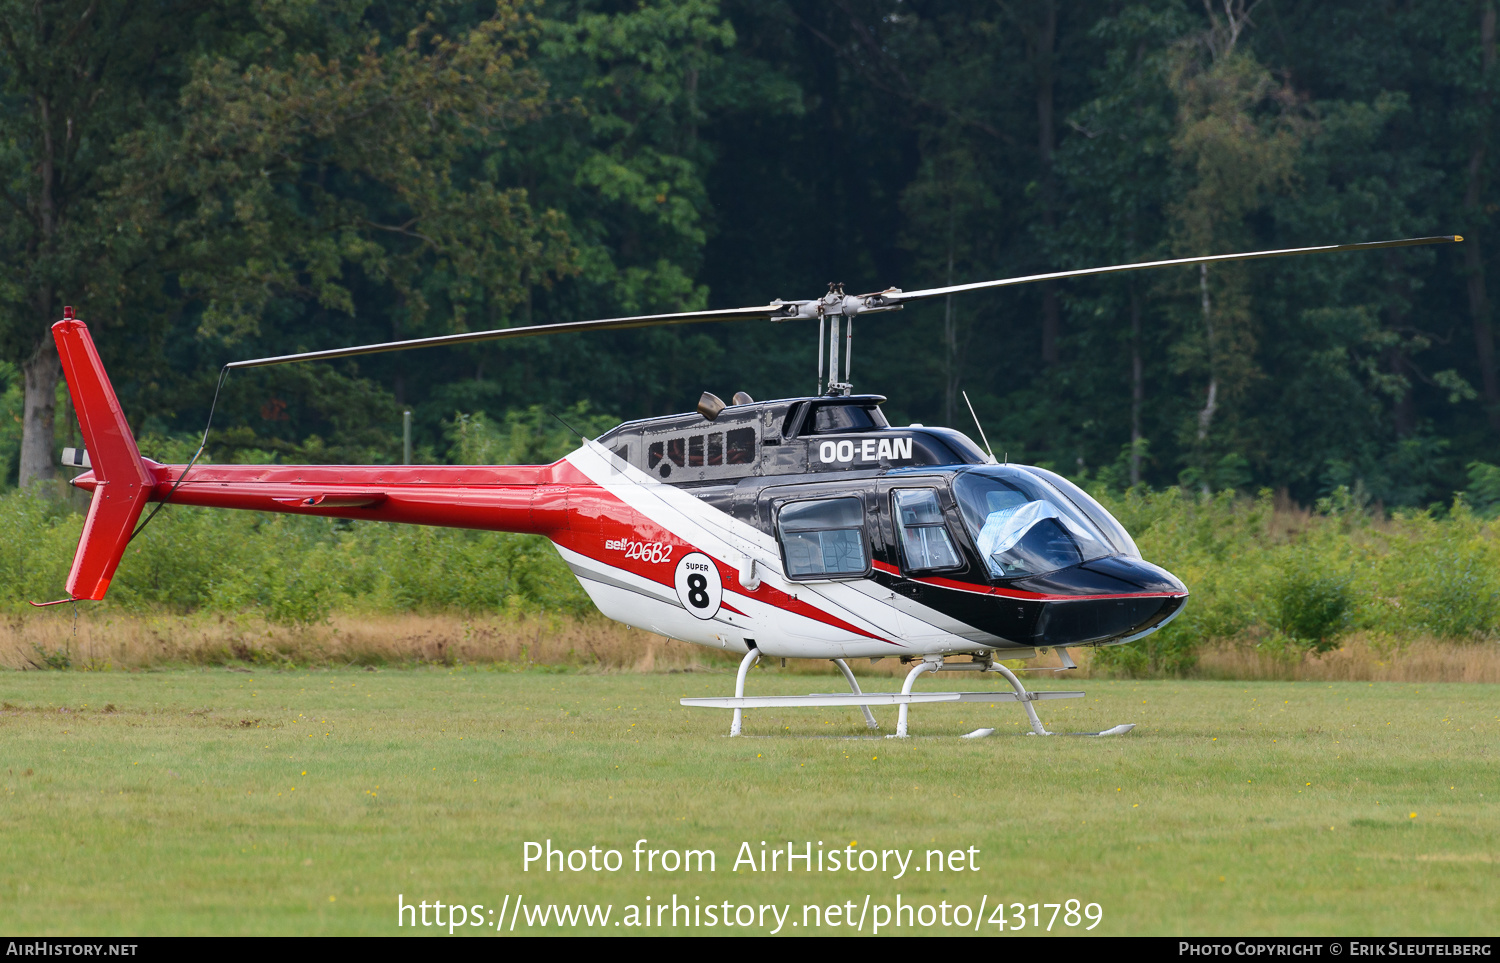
[1022, 525]
[1096, 512]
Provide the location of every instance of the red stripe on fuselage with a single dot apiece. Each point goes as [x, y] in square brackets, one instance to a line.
[1010, 593]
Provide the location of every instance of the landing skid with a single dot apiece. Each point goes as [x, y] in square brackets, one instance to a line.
[1116, 731]
[903, 699]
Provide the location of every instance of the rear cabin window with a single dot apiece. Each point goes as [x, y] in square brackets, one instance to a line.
[705, 450]
[824, 538]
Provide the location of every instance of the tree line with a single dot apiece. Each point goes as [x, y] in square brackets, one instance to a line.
[205, 181]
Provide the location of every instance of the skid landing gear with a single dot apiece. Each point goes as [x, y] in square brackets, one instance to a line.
[854, 687]
[903, 699]
[935, 664]
[740, 702]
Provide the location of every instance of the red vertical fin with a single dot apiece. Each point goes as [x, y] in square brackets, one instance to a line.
[123, 484]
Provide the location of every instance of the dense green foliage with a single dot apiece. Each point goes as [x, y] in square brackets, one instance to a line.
[289, 569]
[1293, 582]
[212, 180]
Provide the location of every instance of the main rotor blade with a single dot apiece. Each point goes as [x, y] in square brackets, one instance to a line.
[605, 324]
[905, 296]
[788, 310]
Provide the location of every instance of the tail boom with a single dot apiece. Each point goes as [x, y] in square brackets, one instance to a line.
[523, 498]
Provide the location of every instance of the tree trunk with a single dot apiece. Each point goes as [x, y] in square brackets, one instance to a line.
[1137, 389]
[950, 354]
[1211, 403]
[1479, 305]
[1403, 408]
[1211, 396]
[1046, 41]
[950, 333]
[41, 373]
[1051, 324]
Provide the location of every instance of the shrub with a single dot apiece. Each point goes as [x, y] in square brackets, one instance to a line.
[1171, 651]
[1483, 495]
[1312, 608]
[287, 569]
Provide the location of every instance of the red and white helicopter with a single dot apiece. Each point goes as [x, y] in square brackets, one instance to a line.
[802, 528]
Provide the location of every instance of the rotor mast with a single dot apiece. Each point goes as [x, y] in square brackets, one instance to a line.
[831, 308]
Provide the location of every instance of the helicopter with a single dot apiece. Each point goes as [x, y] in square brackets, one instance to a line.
[798, 528]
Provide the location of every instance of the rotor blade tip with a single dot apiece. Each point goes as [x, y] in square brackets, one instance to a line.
[1457, 238]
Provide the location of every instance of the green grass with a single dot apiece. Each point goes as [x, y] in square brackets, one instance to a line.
[1234, 808]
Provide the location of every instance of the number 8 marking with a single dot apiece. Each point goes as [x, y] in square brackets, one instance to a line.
[698, 585]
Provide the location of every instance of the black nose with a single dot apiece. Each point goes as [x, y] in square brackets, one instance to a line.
[1103, 600]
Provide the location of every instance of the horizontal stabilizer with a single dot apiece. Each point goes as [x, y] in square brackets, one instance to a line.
[866, 699]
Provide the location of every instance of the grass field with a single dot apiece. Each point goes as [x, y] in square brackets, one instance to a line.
[222, 801]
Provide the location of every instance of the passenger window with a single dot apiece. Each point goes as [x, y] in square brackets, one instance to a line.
[741, 447]
[712, 450]
[824, 538]
[926, 544]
